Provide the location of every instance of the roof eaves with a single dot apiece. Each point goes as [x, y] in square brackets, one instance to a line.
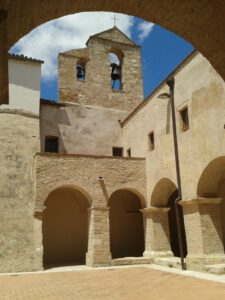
[22, 57]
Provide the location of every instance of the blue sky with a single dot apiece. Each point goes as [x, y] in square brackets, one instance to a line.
[161, 50]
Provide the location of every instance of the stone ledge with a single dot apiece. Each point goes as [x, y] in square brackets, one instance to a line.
[65, 155]
[155, 210]
[200, 201]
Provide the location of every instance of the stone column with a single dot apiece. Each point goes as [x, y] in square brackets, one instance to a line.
[157, 237]
[4, 84]
[203, 232]
[99, 240]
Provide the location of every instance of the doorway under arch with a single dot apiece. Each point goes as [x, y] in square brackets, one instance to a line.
[65, 228]
[126, 225]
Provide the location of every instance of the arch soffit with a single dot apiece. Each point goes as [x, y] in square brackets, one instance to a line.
[162, 192]
[75, 188]
[118, 52]
[210, 178]
[134, 191]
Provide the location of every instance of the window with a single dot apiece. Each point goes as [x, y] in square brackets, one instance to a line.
[129, 152]
[117, 151]
[184, 119]
[51, 144]
[151, 141]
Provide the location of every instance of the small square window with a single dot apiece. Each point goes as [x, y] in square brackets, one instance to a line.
[117, 151]
[151, 141]
[51, 144]
[184, 119]
[129, 152]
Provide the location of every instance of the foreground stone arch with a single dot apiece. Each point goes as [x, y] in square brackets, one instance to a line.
[200, 23]
[65, 227]
[126, 224]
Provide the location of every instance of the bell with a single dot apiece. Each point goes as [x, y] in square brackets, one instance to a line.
[80, 72]
[115, 73]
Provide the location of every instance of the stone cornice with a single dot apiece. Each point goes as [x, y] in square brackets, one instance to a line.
[99, 208]
[155, 210]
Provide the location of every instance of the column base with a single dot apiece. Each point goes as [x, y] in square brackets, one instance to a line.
[153, 254]
[98, 260]
[198, 262]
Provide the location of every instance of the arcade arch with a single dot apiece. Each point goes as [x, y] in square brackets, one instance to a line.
[212, 185]
[65, 227]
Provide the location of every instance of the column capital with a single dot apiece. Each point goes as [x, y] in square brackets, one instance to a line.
[151, 210]
[99, 208]
[201, 201]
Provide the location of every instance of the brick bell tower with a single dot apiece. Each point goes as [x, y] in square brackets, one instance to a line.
[107, 73]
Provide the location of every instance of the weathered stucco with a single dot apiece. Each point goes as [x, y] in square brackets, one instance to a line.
[82, 129]
[18, 143]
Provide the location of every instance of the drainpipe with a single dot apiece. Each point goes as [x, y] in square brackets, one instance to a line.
[170, 82]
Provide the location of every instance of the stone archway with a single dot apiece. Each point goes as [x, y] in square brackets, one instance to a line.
[126, 224]
[65, 228]
[164, 195]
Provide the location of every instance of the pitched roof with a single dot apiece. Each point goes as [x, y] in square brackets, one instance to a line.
[104, 35]
[22, 57]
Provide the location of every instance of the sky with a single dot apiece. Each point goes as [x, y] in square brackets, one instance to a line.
[161, 50]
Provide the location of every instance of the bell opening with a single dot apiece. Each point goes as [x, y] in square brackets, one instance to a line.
[116, 71]
[80, 72]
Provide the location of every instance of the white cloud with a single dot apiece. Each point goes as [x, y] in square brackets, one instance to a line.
[46, 41]
[144, 28]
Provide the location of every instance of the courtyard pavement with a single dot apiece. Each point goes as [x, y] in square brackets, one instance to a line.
[125, 283]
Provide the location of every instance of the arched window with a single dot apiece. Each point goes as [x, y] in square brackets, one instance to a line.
[116, 59]
[80, 70]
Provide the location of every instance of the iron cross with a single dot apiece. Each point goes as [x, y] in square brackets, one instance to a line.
[114, 18]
